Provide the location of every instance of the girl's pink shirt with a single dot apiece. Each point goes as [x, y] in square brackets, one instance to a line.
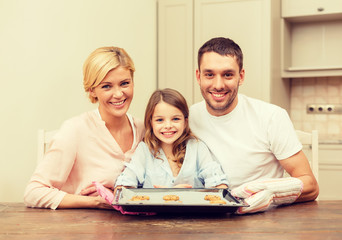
[81, 152]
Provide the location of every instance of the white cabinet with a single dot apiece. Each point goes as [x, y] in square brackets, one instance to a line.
[175, 46]
[330, 171]
[306, 8]
[311, 38]
[253, 24]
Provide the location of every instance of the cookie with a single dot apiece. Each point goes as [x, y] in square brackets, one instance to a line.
[218, 202]
[140, 198]
[171, 198]
[212, 197]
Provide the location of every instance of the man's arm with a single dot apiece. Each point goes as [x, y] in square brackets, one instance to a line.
[298, 166]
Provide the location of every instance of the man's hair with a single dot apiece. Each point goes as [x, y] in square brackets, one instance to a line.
[224, 47]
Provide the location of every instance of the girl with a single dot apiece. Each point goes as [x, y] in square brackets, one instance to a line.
[170, 155]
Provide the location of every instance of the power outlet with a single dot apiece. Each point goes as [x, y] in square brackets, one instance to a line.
[324, 108]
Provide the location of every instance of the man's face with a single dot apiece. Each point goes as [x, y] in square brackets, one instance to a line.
[219, 79]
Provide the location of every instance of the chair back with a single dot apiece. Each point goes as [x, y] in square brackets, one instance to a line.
[44, 139]
[309, 141]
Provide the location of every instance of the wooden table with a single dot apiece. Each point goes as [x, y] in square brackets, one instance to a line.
[309, 221]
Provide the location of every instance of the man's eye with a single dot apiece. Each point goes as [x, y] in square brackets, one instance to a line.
[208, 75]
[228, 75]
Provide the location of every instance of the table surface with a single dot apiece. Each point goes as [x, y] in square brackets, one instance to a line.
[311, 220]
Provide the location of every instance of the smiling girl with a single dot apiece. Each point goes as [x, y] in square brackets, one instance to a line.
[170, 155]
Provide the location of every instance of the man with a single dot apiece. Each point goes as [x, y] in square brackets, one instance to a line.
[253, 140]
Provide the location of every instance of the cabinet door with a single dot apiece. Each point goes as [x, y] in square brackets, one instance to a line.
[296, 8]
[175, 46]
[247, 22]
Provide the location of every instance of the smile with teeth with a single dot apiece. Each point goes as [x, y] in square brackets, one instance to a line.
[118, 103]
[168, 134]
[218, 95]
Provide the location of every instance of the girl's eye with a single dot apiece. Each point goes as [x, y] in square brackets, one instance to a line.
[159, 120]
[176, 119]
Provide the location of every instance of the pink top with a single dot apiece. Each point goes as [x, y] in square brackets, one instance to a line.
[82, 151]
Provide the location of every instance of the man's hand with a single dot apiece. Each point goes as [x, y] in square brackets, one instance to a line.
[262, 195]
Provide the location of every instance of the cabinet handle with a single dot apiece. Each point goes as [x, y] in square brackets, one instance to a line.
[320, 9]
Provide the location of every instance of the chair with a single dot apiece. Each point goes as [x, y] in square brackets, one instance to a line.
[44, 139]
[310, 148]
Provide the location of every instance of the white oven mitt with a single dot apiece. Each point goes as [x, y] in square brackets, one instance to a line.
[262, 195]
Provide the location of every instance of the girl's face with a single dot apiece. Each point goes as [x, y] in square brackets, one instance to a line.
[114, 93]
[168, 123]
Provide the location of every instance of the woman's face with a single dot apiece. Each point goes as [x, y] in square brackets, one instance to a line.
[114, 93]
[168, 123]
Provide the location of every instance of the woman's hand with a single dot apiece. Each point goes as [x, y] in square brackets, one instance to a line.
[91, 191]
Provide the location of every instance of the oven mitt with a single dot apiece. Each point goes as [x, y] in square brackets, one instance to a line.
[109, 197]
[265, 194]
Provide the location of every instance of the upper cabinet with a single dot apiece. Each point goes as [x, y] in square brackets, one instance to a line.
[311, 38]
[314, 9]
[253, 24]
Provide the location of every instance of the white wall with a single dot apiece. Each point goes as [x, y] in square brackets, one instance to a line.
[43, 45]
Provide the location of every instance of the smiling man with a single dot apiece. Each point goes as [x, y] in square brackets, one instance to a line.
[253, 140]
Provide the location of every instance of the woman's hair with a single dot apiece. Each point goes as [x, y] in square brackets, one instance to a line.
[174, 98]
[222, 46]
[100, 62]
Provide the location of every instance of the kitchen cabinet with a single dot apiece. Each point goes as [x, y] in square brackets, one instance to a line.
[330, 171]
[314, 9]
[311, 38]
[253, 24]
[175, 46]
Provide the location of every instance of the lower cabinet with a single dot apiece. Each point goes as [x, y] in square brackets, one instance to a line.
[330, 171]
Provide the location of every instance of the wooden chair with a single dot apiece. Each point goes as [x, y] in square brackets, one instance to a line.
[310, 148]
[44, 139]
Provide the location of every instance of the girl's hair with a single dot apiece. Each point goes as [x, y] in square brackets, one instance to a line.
[100, 62]
[174, 98]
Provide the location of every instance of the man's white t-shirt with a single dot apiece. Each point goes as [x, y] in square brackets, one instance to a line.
[249, 141]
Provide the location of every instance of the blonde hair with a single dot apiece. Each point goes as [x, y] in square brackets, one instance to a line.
[174, 98]
[100, 62]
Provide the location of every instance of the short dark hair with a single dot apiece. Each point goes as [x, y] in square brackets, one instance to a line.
[224, 47]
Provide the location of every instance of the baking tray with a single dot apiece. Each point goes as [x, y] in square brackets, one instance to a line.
[191, 200]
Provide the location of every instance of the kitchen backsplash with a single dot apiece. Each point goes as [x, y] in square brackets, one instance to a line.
[323, 90]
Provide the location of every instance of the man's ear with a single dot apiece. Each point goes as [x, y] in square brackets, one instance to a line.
[198, 76]
[242, 76]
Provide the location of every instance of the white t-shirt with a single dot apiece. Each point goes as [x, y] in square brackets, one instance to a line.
[249, 141]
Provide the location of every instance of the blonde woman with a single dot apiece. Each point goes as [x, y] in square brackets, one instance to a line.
[93, 146]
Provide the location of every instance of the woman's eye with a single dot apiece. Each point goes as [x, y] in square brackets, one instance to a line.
[126, 83]
[106, 86]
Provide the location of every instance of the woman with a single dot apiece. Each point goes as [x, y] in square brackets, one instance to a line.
[92, 146]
